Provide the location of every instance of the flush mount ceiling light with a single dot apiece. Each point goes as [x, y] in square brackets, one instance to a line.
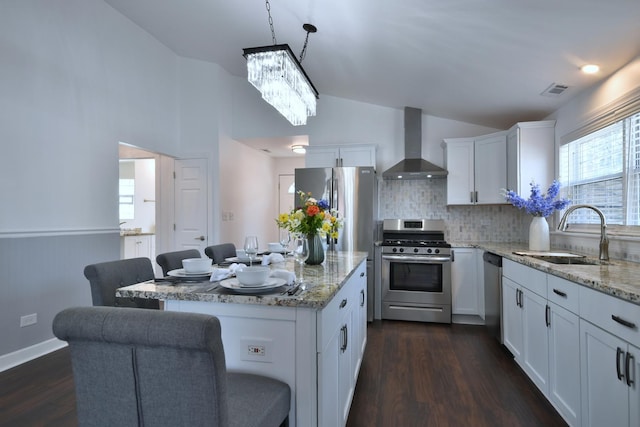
[280, 78]
[590, 69]
[298, 149]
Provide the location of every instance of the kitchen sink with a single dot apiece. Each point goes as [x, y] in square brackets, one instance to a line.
[574, 260]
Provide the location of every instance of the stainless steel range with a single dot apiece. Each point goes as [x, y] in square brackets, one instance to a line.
[415, 271]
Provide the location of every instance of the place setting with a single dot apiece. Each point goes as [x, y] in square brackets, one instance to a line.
[194, 270]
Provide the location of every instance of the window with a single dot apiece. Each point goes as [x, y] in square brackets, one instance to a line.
[602, 168]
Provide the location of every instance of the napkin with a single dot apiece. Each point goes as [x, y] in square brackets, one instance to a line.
[289, 276]
[272, 258]
[223, 273]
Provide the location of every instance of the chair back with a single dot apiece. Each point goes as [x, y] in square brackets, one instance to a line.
[143, 367]
[218, 253]
[173, 260]
[106, 277]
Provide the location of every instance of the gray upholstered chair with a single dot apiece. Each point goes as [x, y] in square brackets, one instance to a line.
[161, 368]
[173, 260]
[218, 253]
[106, 277]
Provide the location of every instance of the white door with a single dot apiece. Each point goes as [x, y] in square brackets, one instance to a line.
[535, 350]
[191, 204]
[605, 394]
[512, 317]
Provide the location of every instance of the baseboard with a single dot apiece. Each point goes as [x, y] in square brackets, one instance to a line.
[23, 355]
[467, 319]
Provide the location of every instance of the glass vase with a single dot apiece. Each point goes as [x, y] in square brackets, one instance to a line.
[316, 251]
[539, 234]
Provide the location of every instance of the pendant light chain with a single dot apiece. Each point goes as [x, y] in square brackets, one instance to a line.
[273, 32]
[304, 48]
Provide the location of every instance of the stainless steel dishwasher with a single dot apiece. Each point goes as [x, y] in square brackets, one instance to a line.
[493, 294]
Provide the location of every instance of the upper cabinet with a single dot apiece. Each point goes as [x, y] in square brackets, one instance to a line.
[477, 169]
[340, 155]
[530, 154]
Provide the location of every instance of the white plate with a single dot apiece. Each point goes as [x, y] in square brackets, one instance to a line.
[181, 273]
[234, 285]
[256, 259]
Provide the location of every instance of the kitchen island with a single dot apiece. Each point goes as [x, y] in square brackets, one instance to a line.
[314, 340]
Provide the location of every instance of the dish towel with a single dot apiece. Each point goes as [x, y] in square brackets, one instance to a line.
[289, 276]
[272, 258]
[223, 273]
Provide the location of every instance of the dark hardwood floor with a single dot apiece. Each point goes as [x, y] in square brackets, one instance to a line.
[427, 374]
[413, 374]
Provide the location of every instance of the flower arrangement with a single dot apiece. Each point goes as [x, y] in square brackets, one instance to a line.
[313, 217]
[539, 204]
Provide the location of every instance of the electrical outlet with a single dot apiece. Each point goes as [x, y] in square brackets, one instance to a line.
[29, 319]
[256, 349]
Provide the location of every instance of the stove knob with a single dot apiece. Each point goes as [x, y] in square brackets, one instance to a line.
[437, 251]
[429, 251]
[401, 249]
[395, 250]
[415, 250]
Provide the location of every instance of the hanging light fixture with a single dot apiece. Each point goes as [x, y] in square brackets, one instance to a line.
[299, 149]
[280, 78]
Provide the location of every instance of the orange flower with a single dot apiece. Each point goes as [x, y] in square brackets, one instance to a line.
[312, 210]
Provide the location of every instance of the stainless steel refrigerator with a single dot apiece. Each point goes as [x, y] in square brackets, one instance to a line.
[353, 192]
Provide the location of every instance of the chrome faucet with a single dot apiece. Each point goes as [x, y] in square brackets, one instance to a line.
[604, 241]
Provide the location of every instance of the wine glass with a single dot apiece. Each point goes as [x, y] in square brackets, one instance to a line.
[285, 239]
[301, 253]
[251, 247]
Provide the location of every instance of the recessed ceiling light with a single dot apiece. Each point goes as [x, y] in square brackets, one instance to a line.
[298, 149]
[590, 69]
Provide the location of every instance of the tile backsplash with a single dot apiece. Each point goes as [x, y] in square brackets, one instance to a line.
[428, 199]
[483, 223]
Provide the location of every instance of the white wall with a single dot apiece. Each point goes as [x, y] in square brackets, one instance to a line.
[76, 78]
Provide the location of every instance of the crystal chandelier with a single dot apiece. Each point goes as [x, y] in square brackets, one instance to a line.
[280, 78]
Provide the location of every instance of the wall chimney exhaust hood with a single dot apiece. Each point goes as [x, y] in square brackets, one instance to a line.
[413, 166]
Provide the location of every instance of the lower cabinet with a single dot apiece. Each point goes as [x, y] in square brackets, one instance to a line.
[465, 283]
[610, 360]
[342, 338]
[136, 246]
[543, 334]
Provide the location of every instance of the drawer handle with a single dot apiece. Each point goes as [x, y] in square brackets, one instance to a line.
[623, 322]
[562, 294]
[547, 315]
[343, 303]
[619, 352]
[628, 360]
[362, 274]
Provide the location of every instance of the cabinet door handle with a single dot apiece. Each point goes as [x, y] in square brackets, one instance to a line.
[476, 193]
[362, 299]
[562, 294]
[201, 238]
[628, 361]
[517, 297]
[547, 315]
[623, 322]
[619, 352]
[343, 303]
[346, 337]
[471, 196]
[362, 274]
[343, 333]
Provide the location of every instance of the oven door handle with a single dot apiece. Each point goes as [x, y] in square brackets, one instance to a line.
[417, 259]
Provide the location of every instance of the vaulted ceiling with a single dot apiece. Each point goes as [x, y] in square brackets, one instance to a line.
[479, 61]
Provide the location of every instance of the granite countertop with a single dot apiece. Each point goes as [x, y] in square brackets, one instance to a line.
[322, 283]
[618, 278]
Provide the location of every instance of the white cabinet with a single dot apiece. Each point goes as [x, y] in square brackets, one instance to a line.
[135, 246]
[541, 329]
[610, 354]
[477, 169]
[465, 282]
[341, 341]
[320, 156]
[530, 155]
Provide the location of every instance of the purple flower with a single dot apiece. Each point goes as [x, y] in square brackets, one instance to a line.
[323, 204]
[539, 204]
